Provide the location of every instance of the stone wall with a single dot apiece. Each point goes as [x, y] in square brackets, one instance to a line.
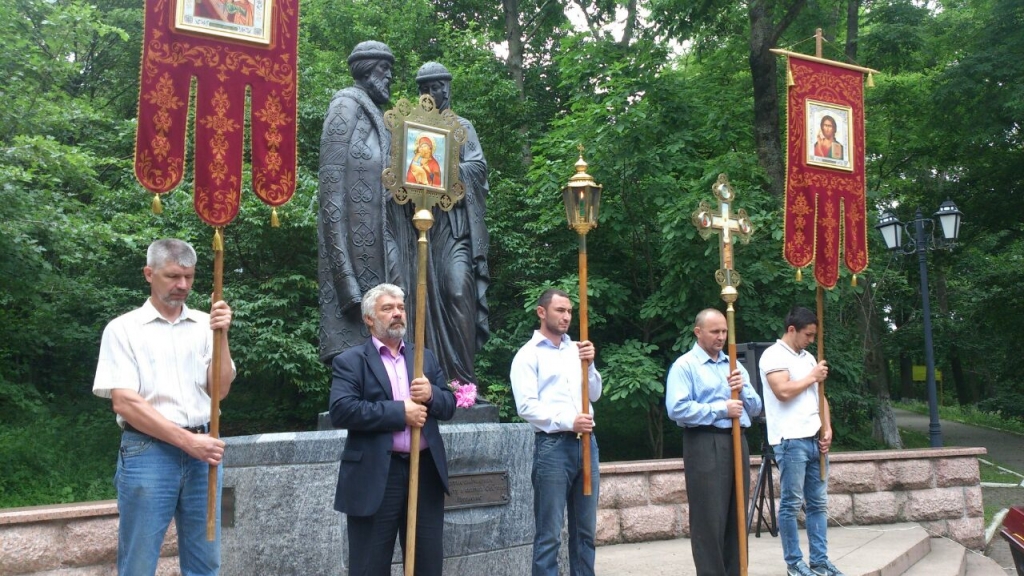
[938, 488]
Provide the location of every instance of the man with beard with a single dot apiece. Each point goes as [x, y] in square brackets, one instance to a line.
[375, 397]
[698, 397]
[457, 324]
[547, 384]
[155, 364]
[364, 238]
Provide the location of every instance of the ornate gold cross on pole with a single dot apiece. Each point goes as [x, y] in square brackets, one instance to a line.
[728, 228]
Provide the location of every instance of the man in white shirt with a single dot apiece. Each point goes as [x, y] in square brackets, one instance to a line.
[798, 434]
[155, 364]
[547, 381]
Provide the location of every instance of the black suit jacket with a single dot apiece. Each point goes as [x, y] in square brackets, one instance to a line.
[362, 403]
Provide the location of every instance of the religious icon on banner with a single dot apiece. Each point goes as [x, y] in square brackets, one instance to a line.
[425, 151]
[244, 20]
[829, 140]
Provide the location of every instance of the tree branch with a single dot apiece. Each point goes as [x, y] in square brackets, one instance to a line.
[787, 20]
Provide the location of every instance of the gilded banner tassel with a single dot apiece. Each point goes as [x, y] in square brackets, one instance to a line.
[218, 241]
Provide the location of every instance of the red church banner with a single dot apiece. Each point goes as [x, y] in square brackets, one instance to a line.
[227, 46]
[825, 186]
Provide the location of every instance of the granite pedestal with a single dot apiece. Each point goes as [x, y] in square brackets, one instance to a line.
[278, 516]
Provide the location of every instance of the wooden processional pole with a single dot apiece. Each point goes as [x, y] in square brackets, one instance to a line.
[408, 123]
[585, 393]
[423, 220]
[218, 354]
[820, 301]
[708, 222]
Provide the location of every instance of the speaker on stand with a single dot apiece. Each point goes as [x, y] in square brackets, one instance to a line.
[762, 497]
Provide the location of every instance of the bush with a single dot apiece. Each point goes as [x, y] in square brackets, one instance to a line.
[59, 458]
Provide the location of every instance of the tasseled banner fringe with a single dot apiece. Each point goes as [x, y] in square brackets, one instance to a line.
[218, 240]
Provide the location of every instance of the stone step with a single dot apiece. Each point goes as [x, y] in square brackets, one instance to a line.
[881, 551]
[980, 565]
[947, 558]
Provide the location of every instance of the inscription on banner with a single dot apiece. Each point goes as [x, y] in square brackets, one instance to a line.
[475, 490]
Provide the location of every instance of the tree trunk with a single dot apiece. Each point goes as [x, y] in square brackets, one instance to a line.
[965, 391]
[877, 368]
[764, 74]
[906, 377]
[884, 424]
[764, 34]
[852, 28]
[514, 39]
[656, 429]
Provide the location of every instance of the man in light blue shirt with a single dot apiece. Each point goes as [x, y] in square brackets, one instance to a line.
[547, 381]
[698, 397]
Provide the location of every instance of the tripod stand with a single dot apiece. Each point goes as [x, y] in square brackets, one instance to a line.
[764, 490]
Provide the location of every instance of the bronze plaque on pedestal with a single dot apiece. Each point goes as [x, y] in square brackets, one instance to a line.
[475, 490]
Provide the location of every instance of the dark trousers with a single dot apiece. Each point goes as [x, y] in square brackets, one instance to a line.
[371, 539]
[711, 493]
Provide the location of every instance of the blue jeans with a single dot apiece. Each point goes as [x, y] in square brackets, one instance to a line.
[155, 482]
[801, 484]
[557, 487]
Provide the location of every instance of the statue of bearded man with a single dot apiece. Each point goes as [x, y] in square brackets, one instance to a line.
[360, 230]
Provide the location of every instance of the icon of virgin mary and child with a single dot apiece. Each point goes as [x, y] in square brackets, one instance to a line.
[424, 169]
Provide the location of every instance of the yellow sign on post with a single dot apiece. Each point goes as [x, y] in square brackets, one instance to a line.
[920, 374]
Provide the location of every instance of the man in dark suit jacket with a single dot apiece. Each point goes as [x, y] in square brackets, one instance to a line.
[375, 397]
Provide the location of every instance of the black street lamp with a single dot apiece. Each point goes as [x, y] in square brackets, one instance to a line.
[892, 232]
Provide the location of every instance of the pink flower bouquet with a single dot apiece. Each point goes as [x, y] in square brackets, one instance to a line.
[465, 393]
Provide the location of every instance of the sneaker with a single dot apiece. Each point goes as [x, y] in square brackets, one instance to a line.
[799, 569]
[826, 569]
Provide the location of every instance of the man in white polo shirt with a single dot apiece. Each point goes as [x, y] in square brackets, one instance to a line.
[797, 435]
[155, 364]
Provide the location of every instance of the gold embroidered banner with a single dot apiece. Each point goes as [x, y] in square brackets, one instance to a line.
[825, 185]
[228, 46]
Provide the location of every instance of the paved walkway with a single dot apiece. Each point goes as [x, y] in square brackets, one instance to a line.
[1005, 448]
[856, 550]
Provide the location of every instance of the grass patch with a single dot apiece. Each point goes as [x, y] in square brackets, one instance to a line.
[912, 439]
[992, 472]
[967, 415]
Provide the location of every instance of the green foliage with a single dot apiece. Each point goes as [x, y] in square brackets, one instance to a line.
[633, 376]
[53, 465]
[635, 379]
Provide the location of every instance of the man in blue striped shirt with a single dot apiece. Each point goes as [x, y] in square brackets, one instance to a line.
[698, 397]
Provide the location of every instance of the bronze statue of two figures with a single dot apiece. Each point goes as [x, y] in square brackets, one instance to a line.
[366, 238]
